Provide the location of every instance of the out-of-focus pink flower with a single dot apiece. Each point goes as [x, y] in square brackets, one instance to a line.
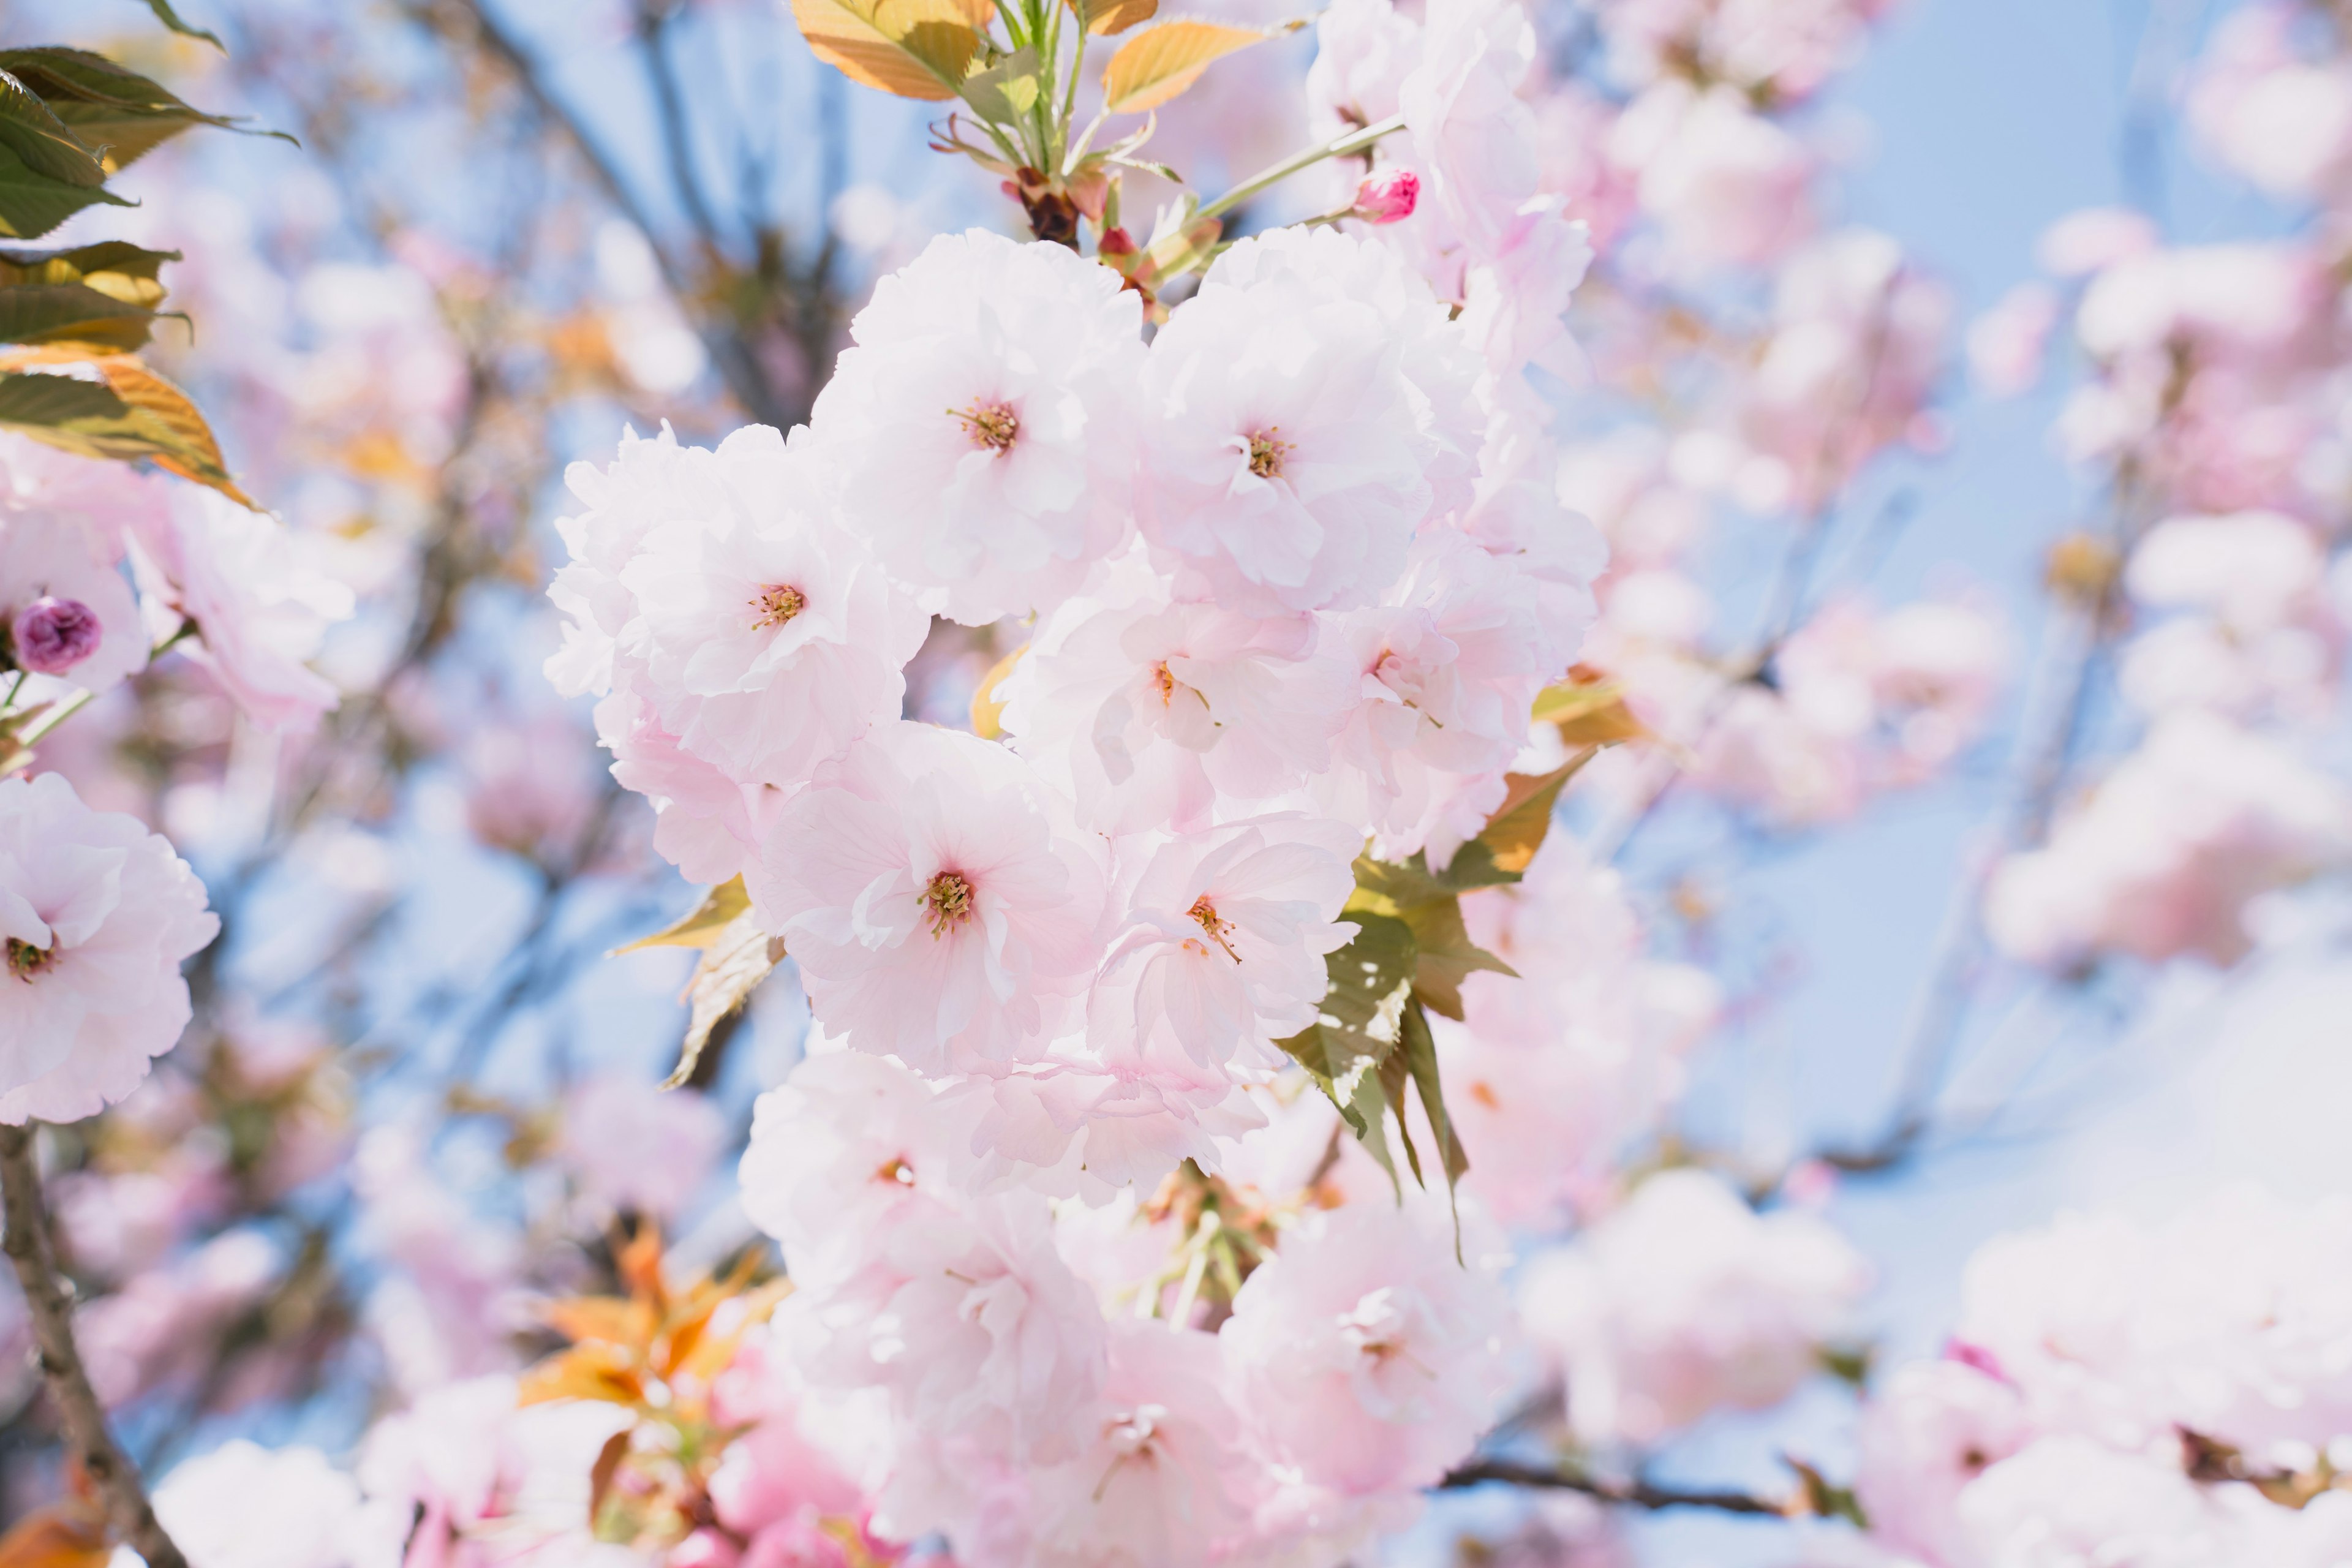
[1728, 186]
[2068, 1498]
[633, 1146]
[244, 1506]
[486, 1481]
[1686, 1299]
[1556, 1069]
[98, 914]
[2093, 240]
[2281, 119]
[164, 1326]
[2163, 858]
[2005, 345]
[1928, 1431]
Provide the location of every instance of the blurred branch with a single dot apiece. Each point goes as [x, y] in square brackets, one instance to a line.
[746, 379]
[47, 1296]
[1636, 1493]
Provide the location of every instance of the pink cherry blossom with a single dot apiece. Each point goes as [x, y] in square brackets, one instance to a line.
[1286, 441]
[1927, 1432]
[939, 904]
[53, 561]
[1726, 185]
[1223, 940]
[314, 1517]
[1365, 1354]
[98, 913]
[1147, 711]
[979, 429]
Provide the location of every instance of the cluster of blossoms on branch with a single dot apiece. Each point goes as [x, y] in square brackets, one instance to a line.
[1131, 708]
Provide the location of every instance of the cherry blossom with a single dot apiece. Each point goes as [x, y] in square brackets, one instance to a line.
[98, 913]
[979, 430]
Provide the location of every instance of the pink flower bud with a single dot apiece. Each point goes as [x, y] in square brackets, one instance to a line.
[54, 635]
[1386, 198]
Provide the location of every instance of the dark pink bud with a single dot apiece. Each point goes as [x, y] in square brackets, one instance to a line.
[54, 635]
[1386, 198]
[1976, 1357]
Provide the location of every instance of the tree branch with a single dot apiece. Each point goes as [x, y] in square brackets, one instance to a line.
[1635, 1493]
[87, 1433]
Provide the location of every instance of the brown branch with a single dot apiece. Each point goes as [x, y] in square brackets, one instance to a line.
[1628, 1494]
[91, 1440]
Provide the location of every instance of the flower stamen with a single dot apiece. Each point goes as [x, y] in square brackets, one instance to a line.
[776, 605]
[25, 960]
[1218, 930]
[949, 897]
[991, 425]
[1266, 451]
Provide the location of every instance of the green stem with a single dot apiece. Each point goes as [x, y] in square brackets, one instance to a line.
[1354, 142]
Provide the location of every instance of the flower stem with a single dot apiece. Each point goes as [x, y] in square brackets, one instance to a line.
[87, 1438]
[1354, 142]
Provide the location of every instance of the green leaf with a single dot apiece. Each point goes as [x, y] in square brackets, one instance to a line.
[166, 15]
[31, 204]
[42, 142]
[1007, 92]
[1415, 1062]
[1370, 981]
[1447, 954]
[109, 108]
[34, 404]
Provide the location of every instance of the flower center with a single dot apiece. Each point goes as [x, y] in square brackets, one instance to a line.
[776, 605]
[1218, 930]
[896, 1171]
[1167, 683]
[25, 960]
[1266, 451]
[949, 897]
[992, 426]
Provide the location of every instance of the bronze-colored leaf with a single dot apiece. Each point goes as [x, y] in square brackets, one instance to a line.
[1447, 956]
[1104, 18]
[731, 968]
[1161, 62]
[157, 422]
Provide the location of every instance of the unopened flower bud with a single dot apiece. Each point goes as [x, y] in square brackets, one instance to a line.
[1388, 198]
[52, 634]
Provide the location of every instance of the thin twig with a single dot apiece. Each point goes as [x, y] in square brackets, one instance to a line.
[1636, 1493]
[87, 1433]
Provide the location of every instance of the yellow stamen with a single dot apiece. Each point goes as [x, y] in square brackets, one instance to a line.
[1218, 930]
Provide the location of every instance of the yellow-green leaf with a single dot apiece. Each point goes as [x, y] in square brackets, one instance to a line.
[1160, 63]
[914, 49]
[714, 914]
[1447, 954]
[987, 707]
